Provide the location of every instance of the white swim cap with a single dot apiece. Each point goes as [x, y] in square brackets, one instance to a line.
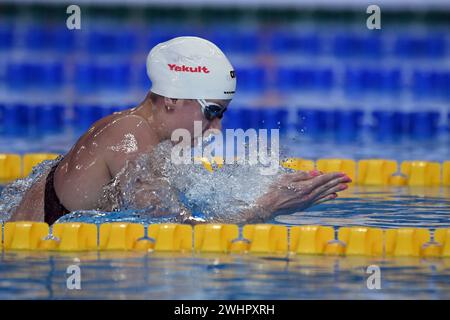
[190, 68]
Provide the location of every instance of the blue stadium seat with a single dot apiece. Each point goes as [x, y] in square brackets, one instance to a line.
[272, 118]
[427, 84]
[143, 79]
[161, 33]
[304, 78]
[86, 115]
[448, 121]
[423, 124]
[64, 40]
[17, 119]
[118, 41]
[114, 76]
[363, 80]
[85, 78]
[314, 122]
[257, 118]
[6, 37]
[49, 76]
[37, 37]
[49, 119]
[18, 76]
[49, 37]
[287, 78]
[2, 116]
[91, 77]
[288, 42]
[232, 118]
[249, 118]
[347, 124]
[391, 81]
[354, 45]
[251, 79]
[241, 41]
[412, 46]
[24, 75]
[446, 86]
[389, 125]
[323, 79]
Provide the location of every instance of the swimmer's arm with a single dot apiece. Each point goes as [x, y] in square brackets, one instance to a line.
[293, 192]
[31, 207]
[153, 197]
[260, 212]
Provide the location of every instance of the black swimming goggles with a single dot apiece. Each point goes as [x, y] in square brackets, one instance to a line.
[211, 110]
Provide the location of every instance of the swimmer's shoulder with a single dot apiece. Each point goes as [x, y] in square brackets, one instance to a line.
[114, 130]
[131, 130]
[116, 126]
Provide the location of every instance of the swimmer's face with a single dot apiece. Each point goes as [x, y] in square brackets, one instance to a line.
[186, 111]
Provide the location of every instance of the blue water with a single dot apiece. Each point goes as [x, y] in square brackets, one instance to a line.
[137, 275]
[109, 275]
[382, 207]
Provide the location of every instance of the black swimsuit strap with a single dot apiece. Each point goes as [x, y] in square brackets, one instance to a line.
[52, 206]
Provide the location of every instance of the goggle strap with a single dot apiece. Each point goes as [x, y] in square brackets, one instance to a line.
[203, 104]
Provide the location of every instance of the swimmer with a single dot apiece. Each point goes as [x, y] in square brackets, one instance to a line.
[192, 80]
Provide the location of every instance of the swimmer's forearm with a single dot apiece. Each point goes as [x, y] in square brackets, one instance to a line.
[261, 211]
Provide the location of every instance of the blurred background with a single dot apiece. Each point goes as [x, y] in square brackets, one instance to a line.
[310, 68]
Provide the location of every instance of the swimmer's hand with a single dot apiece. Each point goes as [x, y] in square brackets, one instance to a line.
[301, 190]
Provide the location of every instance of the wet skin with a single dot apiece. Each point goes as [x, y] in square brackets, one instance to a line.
[103, 150]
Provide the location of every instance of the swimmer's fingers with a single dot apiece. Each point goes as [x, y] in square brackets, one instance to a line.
[325, 178]
[326, 198]
[299, 176]
[317, 185]
[338, 188]
[335, 185]
[294, 177]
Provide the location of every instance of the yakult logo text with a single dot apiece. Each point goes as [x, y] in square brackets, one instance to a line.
[183, 68]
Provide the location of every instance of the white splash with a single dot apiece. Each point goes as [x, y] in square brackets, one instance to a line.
[153, 185]
[127, 145]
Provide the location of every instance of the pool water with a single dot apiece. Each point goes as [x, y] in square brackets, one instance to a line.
[381, 207]
[124, 275]
[138, 275]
